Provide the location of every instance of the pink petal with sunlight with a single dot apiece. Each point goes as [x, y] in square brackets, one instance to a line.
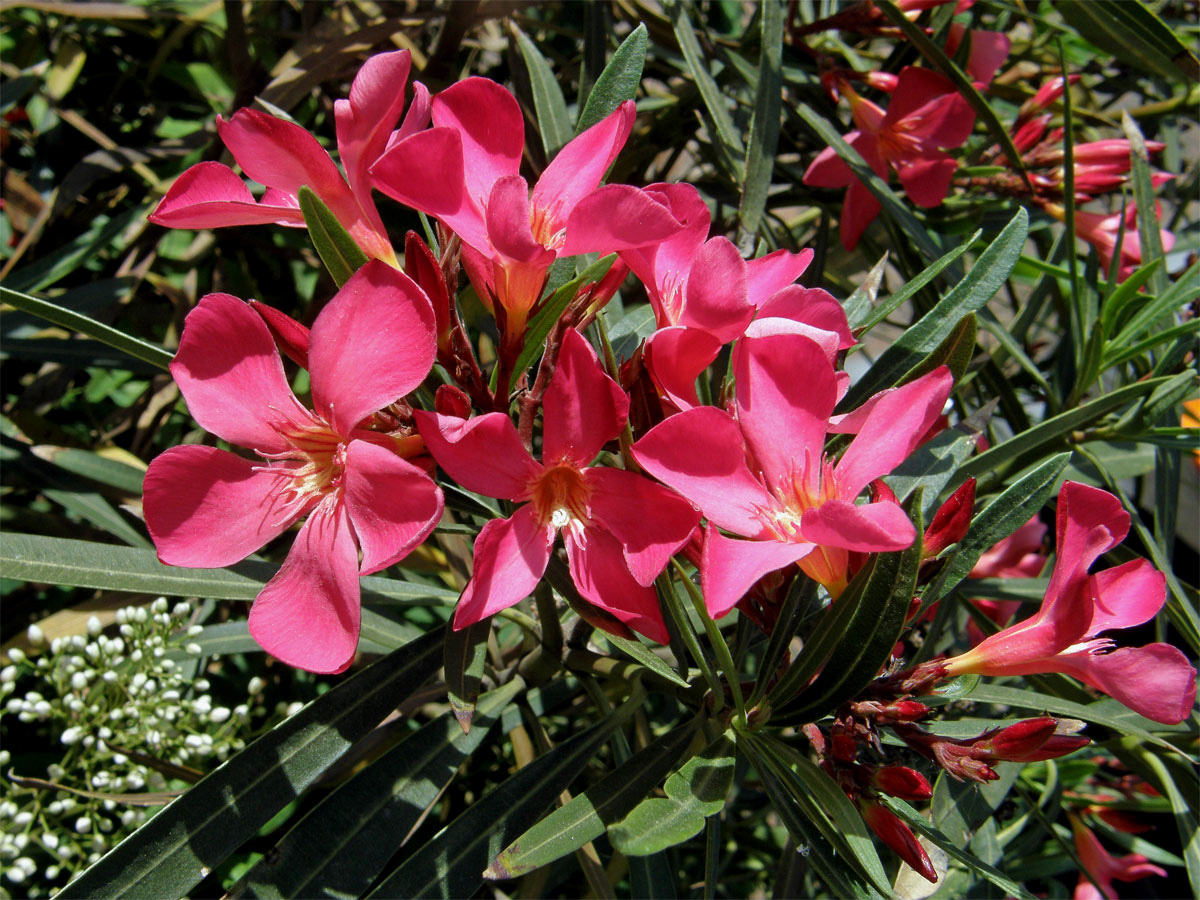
[379, 324]
[675, 357]
[716, 299]
[811, 306]
[484, 454]
[583, 408]
[510, 558]
[927, 179]
[896, 425]
[858, 211]
[701, 454]
[662, 263]
[870, 528]
[231, 375]
[207, 508]
[1155, 681]
[730, 567]
[392, 504]
[830, 170]
[210, 195]
[489, 120]
[770, 274]
[1088, 523]
[308, 615]
[650, 521]
[599, 572]
[1126, 595]
[931, 104]
[507, 220]
[614, 217]
[365, 121]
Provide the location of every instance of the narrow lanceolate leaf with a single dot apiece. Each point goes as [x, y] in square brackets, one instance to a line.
[998, 520]
[586, 815]
[882, 607]
[113, 473]
[933, 464]
[636, 650]
[976, 289]
[764, 127]
[1182, 805]
[696, 791]
[955, 352]
[340, 253]
[1133, 33]
[50, 560]
[451, 864]
[73, 321]
[181, 845]
[870, 318]
[618, 82]
[554, 123]
[343, 843]
[97, 510]
[466, 652]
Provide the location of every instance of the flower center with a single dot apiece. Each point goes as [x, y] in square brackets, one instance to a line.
[560, 497]
[807, 487]
[313, 464]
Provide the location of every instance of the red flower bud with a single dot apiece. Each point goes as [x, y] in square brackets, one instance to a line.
[844, 748]
[290, 336]
[452, 401]
[950, 522]
[902, 782]
[422, 267]
[1017, 741]
[899, 837]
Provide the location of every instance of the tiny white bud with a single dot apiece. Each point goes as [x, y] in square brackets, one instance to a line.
[26, 865]
[56, 645]
[50, 840]
[140, 615]
[255, 685]
[15, 875]
[182, 610]
[119, 759]
[42, 709]
[16, 654]
[52, 873]
[219, 715]
[35, 634]
[78, 641]
[71, 736]
[195, 630]
[105, 732]
[55, 771]
[92, 651]
[83, 825]
[202, 685]
[79, 681]
[74, 704]
[193, 649]
[193, 740]
[109, 676]
[294, 708]
[159, 605]
[23, 818]
[241, 710]
[8, 674]
[122, 617]
[94, 625]
[136, 656]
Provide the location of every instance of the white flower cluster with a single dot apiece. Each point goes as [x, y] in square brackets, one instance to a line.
[104, 699]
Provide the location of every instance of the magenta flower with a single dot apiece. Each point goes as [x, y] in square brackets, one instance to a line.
[466, 172]
[1104, 867]
[285, 157]
[925, 116]
[1156, 680]
[619, 528]
[1020, 555]
[762, 472]
[207, 507]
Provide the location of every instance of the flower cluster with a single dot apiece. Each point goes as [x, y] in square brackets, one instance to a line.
[124, 711]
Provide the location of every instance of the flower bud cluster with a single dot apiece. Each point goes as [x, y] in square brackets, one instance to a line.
[105, 701]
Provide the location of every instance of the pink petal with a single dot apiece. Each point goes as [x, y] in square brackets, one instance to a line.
[1089, 522]
[284, 156]
[1018, 555]
[1156, 681]
[510, 558]
[308, 614]
[365, 121]
[381, 325]
[675, 357]
[830, 170]
[663, 265]
[210, 195]
[484, 454]
[492, 128]
[731, 567]
[931, 107]
[989, 49]
[700, 453]
[1126, 595]
[812, 306]
[784, 417]
[896, 425]
[716, 299]
[614, 217]
[207, 508]
[769, 274]
[650, 521]
[507, 220]
[858, 211]
[579, 167]
[230, 373]
[871, 528]
[828, 341]
[583, 409]
[392, 504]
[927, 179]
[599, 571]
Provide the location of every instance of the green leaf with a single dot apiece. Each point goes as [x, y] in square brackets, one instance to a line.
[764, 126]
[1000, 518]
[584, 818]
[639, 652]
[554, 122]
[340, 253]
[343, 843]
[30, 557]
[466, 652]
[860, 306]
[177, 848]
[95, 509]
[1133, 33]
[696, 791]
[73, 321]
[452, 862]
[1181, 806]
[618, 82]
[111, 472]
[976, 288]
[51, 268]
[934, 463]
[955, 352]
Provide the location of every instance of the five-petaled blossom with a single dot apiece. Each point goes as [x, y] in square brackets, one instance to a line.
[208, 507]
[619, 528]
[925, 116]
[285, 157]
[1156, 680]
[762, 472]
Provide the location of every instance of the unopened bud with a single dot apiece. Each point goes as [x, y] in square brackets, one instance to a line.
[950, 522]
[290, 336]
[902, 782]
[452, 401]
[892, 830]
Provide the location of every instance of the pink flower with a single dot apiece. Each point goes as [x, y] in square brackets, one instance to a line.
[762, 472]
[207, 507]
[1020, 555]
[285, 157]
[1104, 867]
[619, 528]
[987, 53]
[1156, 680]
[466, 171]
[926, 115]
